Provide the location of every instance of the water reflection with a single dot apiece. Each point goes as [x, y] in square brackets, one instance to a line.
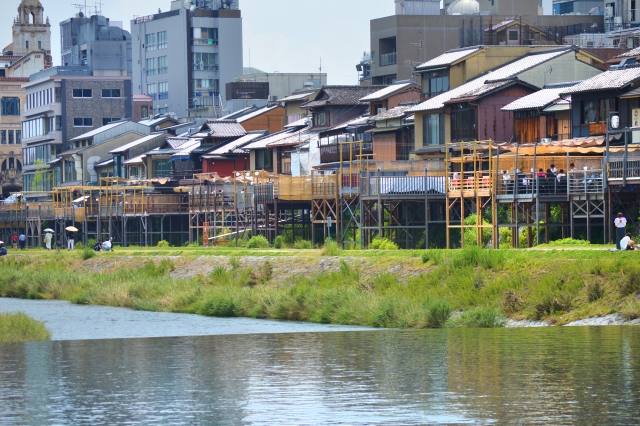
[550, 376]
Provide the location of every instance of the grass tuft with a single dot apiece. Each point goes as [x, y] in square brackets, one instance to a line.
[20, 327]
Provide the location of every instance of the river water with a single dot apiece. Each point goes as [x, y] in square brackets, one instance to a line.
[577, 375]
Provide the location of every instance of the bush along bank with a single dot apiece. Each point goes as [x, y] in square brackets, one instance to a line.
[20, 327]
[464, 288]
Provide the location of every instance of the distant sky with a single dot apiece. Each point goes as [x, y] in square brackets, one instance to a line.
[282, 35]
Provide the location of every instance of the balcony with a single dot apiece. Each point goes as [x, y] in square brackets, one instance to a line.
[205, 67]
[331, 153]
[205, 41]
[388, 59]
[373, 185]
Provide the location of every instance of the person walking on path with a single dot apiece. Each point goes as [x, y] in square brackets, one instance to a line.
[47, 240]
[70, 239]
[14, 241]
[621, 228]
[22, 240]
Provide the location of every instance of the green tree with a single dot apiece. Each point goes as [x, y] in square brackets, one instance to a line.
[40, 177]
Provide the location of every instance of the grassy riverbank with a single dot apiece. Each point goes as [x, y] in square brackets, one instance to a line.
[21, 328]
[417, 289]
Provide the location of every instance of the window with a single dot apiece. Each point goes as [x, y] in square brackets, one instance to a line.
[513, 35]
[144, 111]
[204, 61]
[150, 41]
[207, 36]
[162, 168]
[162, 40]
[106, 121]
[110, 93]
[320, 119]
[58, 122]
[597, 111]
[163, 110]
[3, 137]
[69, 170]
[18, 137]
[39, 45]
[438, 82]
[152, 89]
[10, 106]
[27, 44]
[37, 153]
[11, 140]
[163, 90]
[151, 66]
[162, 65]
[205, 84]
[82, 93]
[433, 129]
[83, 122]
[264, 160]
[58, 94]
[463, 122]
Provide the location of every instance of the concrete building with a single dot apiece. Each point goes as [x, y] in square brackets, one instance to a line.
[61, 104]
[402, 41]
[97, 43]
[29, 53]
[184, 57]
[284, 84]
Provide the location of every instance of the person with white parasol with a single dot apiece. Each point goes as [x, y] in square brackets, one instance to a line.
[48, 237]
[71, 235]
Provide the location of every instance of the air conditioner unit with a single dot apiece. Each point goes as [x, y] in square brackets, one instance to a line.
[381, 110]
[273, 98]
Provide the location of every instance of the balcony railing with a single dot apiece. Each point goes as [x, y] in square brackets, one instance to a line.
[372, 185]
[206, 41]
[331, 153]
[388, 59]
[531, 185]
[616, 169]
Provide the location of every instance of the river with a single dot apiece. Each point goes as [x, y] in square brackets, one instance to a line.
[576, 375]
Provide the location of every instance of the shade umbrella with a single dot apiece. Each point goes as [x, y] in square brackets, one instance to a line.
[49, 230]
[71, 229]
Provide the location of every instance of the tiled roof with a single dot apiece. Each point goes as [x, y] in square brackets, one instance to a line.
[630, 54]
[142, 98]
[342, 95]
[130, 145]
[296, 97]
[150, 122]
[539, 99]
[303, 122]
[225, 128]
[176, 142]
[391, 114]
[186, 149]
[616, 79]
[297, 138]
[236, 145]
[239, 113]
[99, 130]
[500, 25]
[261, 143]
[387, 91]
[449, 57]
[258, 113]
[510, 70]
[488, 87]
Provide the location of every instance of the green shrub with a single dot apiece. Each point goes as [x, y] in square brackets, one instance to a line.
[221, 306]
[434, 256]
[87, 253]
[552, 304]
[630, 284]
[91, 242]
[475, 256]
[595, 291]
[302, 245]
[163, 244]
[478, 318]
[330, 248]
[258, 241]
[383, 244]
[568, 242]
[630, 310]
[78, 246]
[279, 242]
[20, 327]
[438, 313]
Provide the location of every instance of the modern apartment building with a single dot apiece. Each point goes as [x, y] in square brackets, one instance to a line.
[97, 43]
[29, 52]
[183, 58]
[61, 104]
[402, 41]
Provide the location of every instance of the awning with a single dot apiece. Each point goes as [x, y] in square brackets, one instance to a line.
[587, 145]
[557, 107]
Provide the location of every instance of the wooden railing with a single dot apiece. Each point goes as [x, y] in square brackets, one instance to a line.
[617, 169]
[331, 153]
